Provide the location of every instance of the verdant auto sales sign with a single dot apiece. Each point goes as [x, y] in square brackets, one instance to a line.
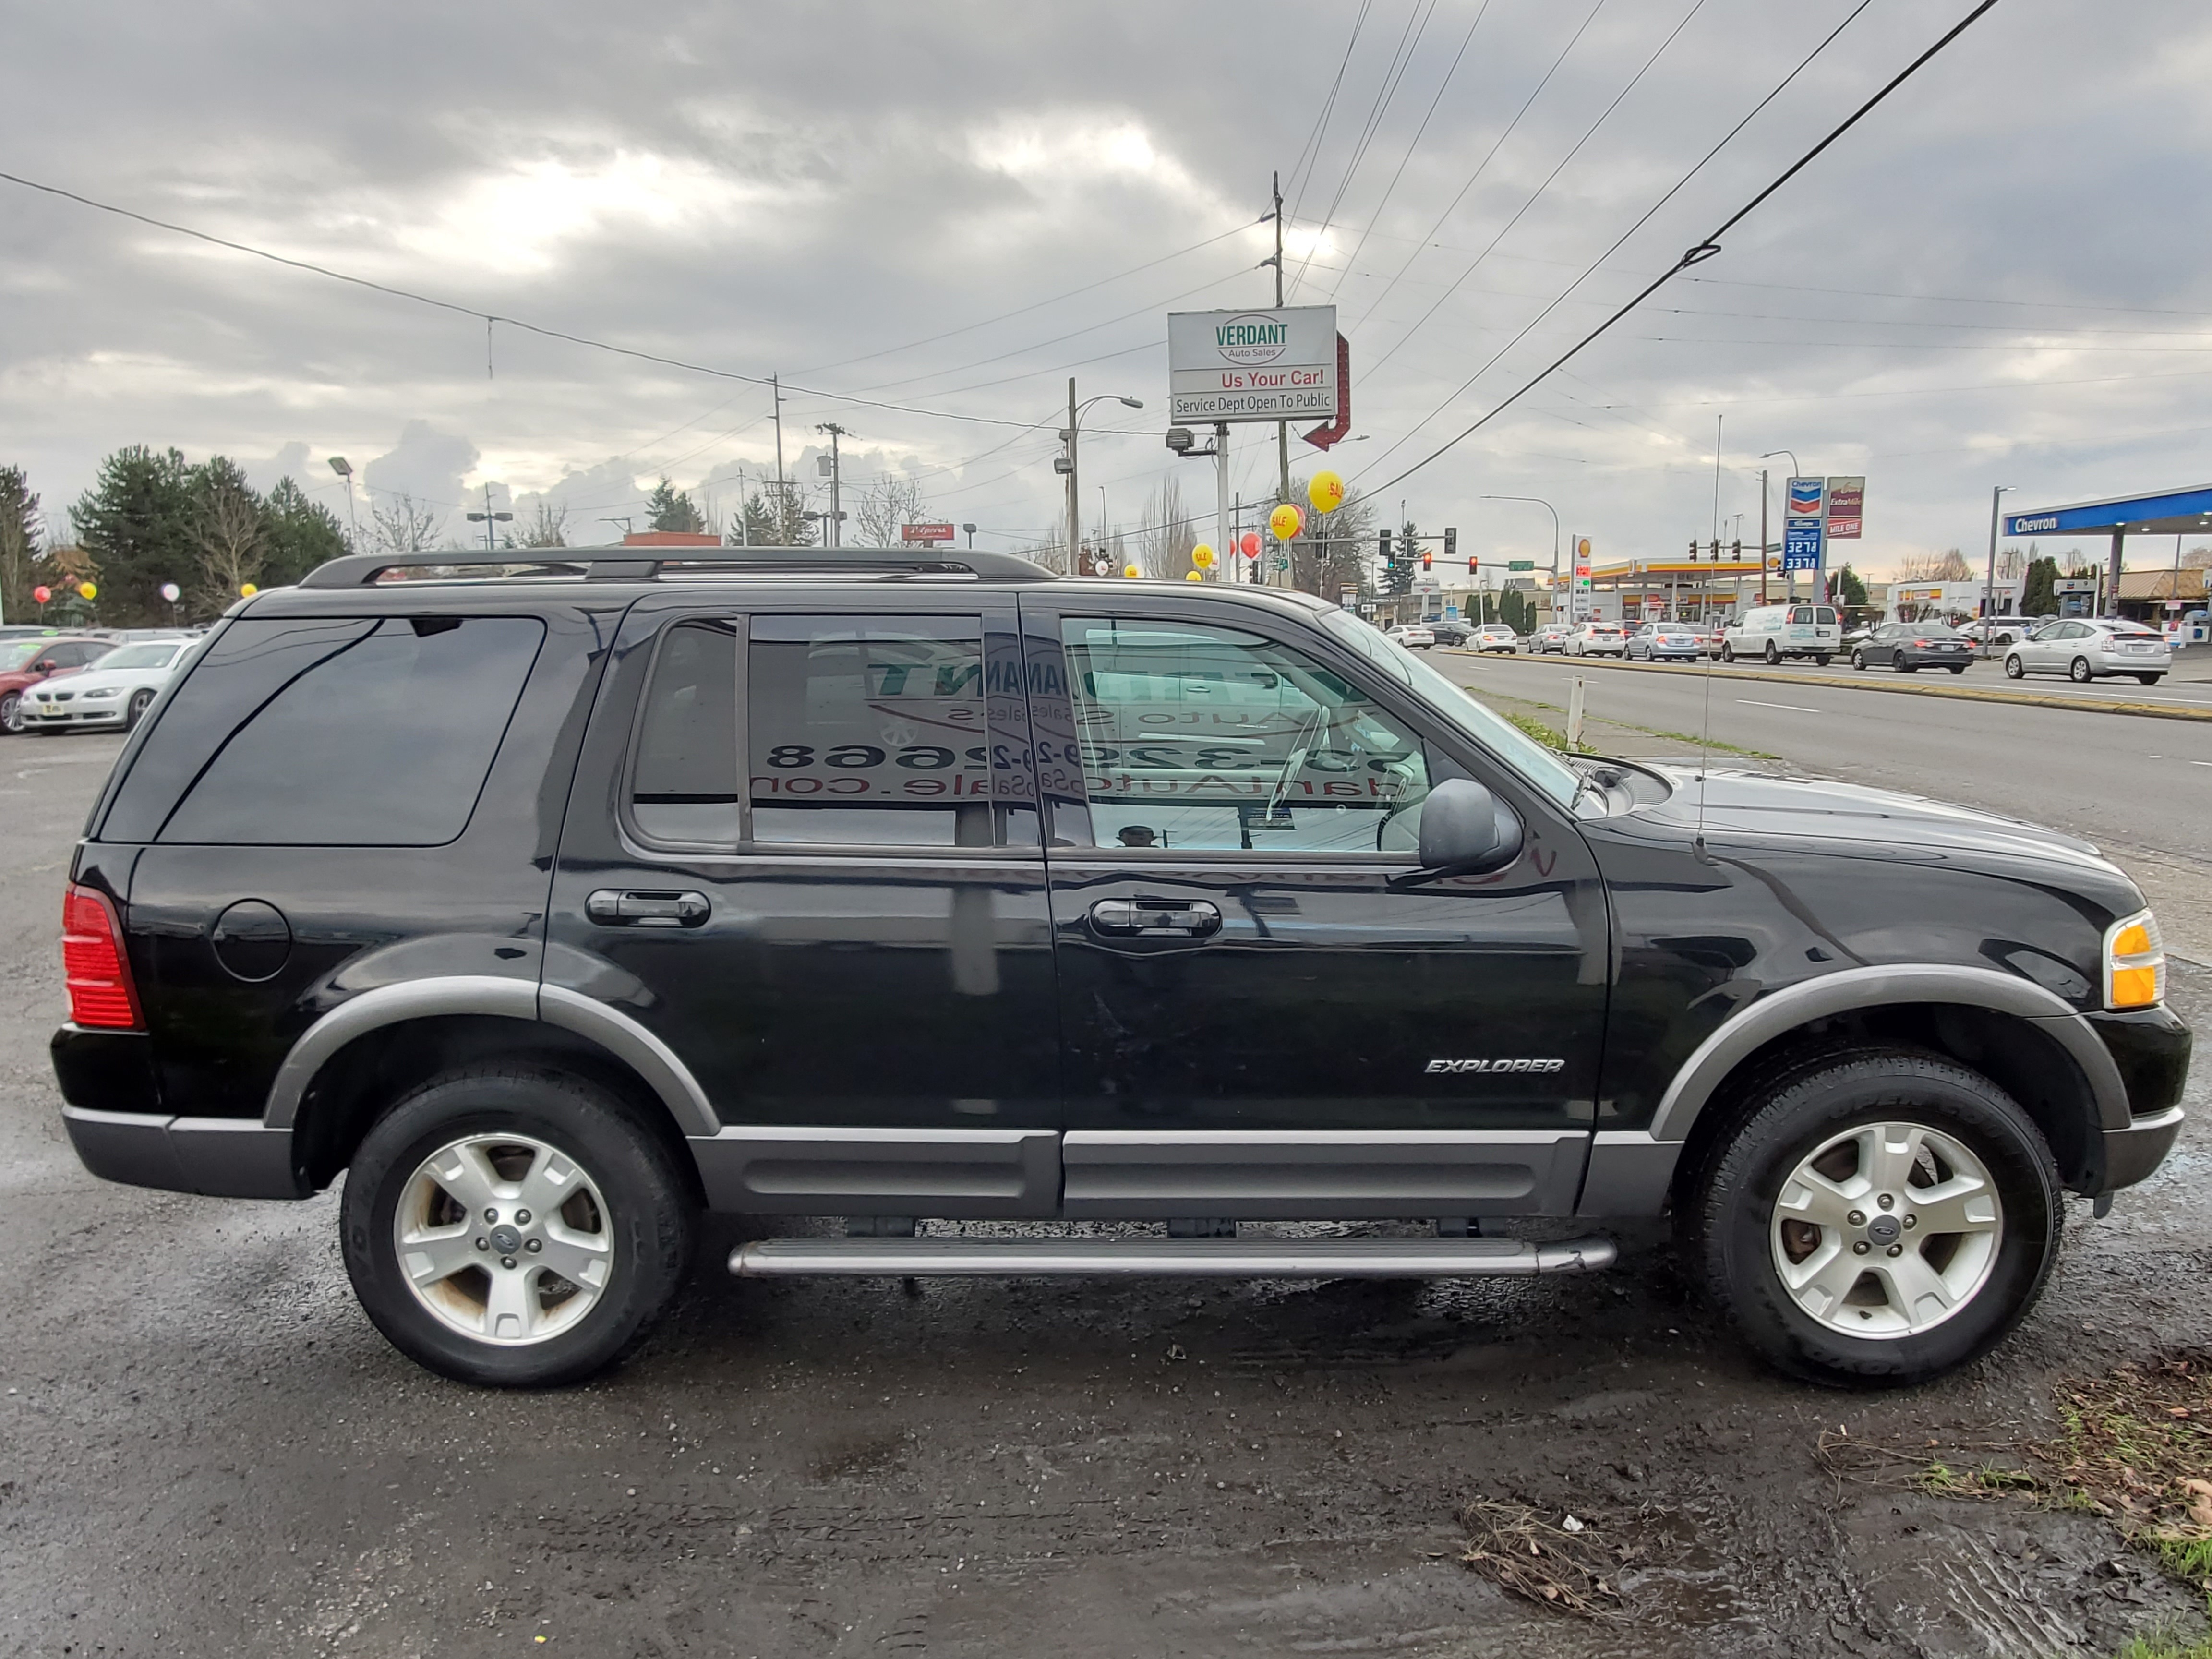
[1272, 364]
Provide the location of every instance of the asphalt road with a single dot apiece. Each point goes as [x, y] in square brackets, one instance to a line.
[206, 1450]
[2139, 787]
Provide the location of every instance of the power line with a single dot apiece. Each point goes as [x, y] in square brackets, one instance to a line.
[490, 317]
[1309, 156]
[1702, 251]
[1505, 229]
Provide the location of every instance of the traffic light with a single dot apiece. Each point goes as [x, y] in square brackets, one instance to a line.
[1451, 544]
[1428, 559]
[1386, 548]
[1693, 552]
[1473, 564]
[1735, 550]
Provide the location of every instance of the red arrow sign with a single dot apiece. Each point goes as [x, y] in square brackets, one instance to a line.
[1338, 429]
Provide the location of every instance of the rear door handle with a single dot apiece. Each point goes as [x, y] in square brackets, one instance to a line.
[645, 906]
[1158, 918]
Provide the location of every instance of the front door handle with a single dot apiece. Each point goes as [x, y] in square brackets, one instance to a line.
[1141, 917]
[645, 907]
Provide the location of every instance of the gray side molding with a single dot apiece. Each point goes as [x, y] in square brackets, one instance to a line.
[506, 998]
[1851, 989]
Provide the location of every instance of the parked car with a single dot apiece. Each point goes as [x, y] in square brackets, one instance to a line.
[1497, 636]
[26, 663]
[2083, 650]
[2002, 631]
[551, 914]
[1772, 632]
[1667, 641]
[1550, 637]
[1598, 639]
[113, 693]
[1418, 637]
[1909, 646]
[1712, 634]
[1452, 633]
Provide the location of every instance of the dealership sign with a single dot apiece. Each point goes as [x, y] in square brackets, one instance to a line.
[926, 532]
[1273, 364]
[1802, 523]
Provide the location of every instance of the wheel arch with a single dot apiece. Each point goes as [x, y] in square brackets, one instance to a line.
[362, 1054]
[2023, 1037]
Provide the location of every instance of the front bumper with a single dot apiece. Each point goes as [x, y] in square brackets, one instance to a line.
[2151, 1047]
[71, 714]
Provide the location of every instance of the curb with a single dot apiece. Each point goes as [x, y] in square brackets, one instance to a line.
[1960, 693]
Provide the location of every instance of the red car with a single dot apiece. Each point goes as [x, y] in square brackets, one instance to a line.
[25, 662]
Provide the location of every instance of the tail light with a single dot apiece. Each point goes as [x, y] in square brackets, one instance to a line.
[100, 992]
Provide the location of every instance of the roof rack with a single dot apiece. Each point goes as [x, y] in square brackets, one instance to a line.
[643, 564]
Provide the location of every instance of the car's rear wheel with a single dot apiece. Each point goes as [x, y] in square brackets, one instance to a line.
[1878, 1217]
[2014, 668]
[2150, 679]
[514, 1227]
[2079, 671]
[141, 701]
[1819, 659]
[1900, 665]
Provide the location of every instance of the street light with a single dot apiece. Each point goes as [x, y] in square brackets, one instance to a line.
[1554, 512]
[1990, 582]
[1067, 463]
[344, 468]
[1795, 471]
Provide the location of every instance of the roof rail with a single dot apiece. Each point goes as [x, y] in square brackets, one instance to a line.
[638, 564]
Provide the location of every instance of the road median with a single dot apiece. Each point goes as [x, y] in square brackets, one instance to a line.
[1893, 686]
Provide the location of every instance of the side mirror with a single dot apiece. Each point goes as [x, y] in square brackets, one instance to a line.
[44, 665]
[1466, 829]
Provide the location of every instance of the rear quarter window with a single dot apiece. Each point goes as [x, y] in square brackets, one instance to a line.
[329, 733]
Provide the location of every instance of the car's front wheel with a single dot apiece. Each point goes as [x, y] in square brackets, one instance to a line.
[1773, 656]
[11, 712]
[1858, 660]
[514, 1226]
[1878, 1217]
[1728, 652]
[141, 701]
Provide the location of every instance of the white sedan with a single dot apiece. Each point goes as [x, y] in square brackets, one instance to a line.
[110, 695]
[2084, 650]
[1417, 635]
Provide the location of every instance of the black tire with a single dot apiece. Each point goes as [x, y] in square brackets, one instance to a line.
[2079, 671]
[141, 701]
[1773, 656]
[650, 1216]
[1729, 1216]
[1858, 660]
[1820, 659]
[2150, 679]
[11, 714]
[1728, 652]
[2014, 668]
[1956, 667]
[1902, 666]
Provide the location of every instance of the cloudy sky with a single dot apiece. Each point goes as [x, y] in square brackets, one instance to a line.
[925, 218]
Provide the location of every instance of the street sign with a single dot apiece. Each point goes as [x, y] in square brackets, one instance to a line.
[1273, 363]
[925, 532]
[1520, 564]
[1846, 509]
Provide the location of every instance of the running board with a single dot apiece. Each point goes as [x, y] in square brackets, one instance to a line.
[1178, 1258]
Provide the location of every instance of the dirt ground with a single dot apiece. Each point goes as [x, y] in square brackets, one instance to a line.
[205, 1450]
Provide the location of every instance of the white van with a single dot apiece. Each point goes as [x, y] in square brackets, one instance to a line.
[1772, 632]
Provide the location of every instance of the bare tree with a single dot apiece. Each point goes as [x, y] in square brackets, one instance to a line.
[547, 526]
[1331, 553]
[1166, 534]
[1950, 566]
[228, 531]
[883, 508]
[405, 525]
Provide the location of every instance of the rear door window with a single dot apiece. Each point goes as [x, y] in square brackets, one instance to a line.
[352, 732]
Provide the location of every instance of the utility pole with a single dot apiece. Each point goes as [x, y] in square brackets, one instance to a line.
[1282, 428]
[1225, 528]
[782, 490]
[1989, 581]
[488, 518]
[1074, 501]
[836, 518]
[1762, 535]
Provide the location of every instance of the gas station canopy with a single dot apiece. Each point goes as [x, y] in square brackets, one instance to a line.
[2170, 513]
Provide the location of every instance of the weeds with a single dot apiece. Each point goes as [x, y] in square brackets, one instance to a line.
[1573, 1565]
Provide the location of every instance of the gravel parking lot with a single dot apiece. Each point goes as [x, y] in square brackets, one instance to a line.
[204, 1448]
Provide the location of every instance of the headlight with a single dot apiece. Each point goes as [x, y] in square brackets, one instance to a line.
[2134, 963]
[109, 692]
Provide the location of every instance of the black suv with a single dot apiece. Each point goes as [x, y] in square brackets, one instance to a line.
[556, 905]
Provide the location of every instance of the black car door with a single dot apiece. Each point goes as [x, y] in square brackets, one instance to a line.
[1266, 1011]
[803, 856]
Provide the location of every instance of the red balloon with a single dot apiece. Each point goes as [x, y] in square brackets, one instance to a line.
[1250, 544]
[42, 594]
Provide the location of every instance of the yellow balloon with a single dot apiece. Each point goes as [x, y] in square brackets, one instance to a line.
[86, 591]
[1286, 521]
[1326, 492]
[247, 590]
[1132, 572]
[1202, 557]
[1193, 575]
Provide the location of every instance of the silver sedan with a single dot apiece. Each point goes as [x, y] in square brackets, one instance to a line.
[2084, 650]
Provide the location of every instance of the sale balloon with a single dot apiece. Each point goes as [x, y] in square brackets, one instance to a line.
[247, 590]
[1202, 557]
[1250, 544]
[1326, 492]
[1132, 572]
[1193, 575]
[1286, 521]
[86, 591]
[42, 594]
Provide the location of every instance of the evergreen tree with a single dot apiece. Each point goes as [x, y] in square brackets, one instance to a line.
[139, 523]
[670, 508]
[776, 516]
[2037, 598]
[1850, 589]
[299, 534]
[20, 539]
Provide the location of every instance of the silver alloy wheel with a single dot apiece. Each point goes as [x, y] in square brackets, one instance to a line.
[11, 711]
[1886, 1230]
[504, 1238]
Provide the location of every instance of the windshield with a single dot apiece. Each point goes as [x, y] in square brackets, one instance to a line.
[13, 653]
[1531, 759]
[139, 656]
